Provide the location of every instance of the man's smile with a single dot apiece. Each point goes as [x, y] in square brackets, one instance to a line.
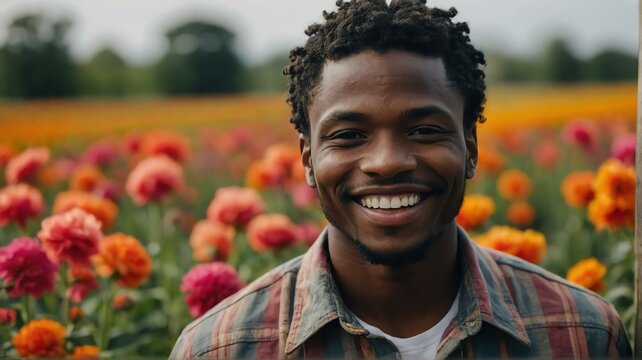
[390, 201]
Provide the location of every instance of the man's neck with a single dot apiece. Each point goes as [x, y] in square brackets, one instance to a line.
[402, 301]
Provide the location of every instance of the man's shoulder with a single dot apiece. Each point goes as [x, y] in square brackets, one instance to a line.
[543, 298]
[250, 315]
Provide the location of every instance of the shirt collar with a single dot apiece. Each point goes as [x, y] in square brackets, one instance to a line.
[484, 296]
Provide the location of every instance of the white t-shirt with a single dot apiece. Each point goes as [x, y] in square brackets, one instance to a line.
[421, 346]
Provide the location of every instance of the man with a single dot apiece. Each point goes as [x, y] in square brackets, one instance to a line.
[386, 99]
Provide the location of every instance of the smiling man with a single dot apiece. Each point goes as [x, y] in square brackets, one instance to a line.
[386, 99]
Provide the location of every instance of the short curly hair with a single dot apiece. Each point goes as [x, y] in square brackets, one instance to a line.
[407, 25]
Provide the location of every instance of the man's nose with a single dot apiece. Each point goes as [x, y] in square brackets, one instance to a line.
[388, 157]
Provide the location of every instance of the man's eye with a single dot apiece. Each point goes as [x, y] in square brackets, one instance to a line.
[425, 130]
[347, 135]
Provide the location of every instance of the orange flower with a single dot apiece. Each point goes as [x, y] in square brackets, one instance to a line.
[271, 232]
[124, 257]
[475, 211]
[235, 206]
[529, 245]
[260, 175]
[547, 154]
[26, 165]
[123, 302]
[19, 203]
[171, 144]
[577, 188]
[85, 352]
[514, 185]
[520, 213]
[40, 338]
[617, 182]
[103, 209]
[614, 202]
[76, 313]
[154, 179]
[85, 177]
[211, 241]
[588, 273]
[490, 160]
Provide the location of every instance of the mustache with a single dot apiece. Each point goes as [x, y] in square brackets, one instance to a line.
[401, 179]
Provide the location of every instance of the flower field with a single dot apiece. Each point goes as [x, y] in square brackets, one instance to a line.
[122, 221]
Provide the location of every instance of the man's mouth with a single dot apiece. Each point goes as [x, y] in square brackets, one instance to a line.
[389, 201]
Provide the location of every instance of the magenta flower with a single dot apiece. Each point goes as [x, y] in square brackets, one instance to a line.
[582, 134]
[208, 284]
[25, 268]
[624, 149]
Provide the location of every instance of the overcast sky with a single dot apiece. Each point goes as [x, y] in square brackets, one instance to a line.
[135, 27]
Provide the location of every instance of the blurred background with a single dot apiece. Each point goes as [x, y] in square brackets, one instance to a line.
[97, 95]
[144, 48]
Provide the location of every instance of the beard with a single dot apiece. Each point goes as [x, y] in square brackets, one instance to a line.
[395, 258]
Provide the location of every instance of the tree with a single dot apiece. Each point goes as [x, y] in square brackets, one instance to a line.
[611, 65]
[561, 64]
[35, 58]
[106, 74]
[200, 60]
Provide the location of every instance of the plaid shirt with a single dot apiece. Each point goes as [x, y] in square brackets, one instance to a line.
[508, 308]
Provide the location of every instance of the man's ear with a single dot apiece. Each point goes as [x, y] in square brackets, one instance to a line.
[304, 147]
[472, 155]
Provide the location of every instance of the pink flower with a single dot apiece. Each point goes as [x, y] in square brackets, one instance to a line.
[208, 284]
[154, 179]
[547, 154]
[101, 153]
[582, 134]
[83, 281]
[26, 165]
[235, 206]
[26, 269]
[308, 232]
[7, 317]
[624, 149]
[19, 203]
[271, 232]
[303, 195]
[72, 236]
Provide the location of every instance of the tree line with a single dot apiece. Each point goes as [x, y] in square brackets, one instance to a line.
[35, 62]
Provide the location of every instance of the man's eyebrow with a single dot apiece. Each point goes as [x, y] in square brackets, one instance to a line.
[349, 116]
[424, 111]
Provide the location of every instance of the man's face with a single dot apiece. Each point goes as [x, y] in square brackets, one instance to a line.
[387, 150]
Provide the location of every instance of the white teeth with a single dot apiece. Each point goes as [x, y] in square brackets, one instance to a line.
[384, 203]
[389, 202]
[404, 201]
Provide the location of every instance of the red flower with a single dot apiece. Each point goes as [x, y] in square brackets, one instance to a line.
[208, 284]
[25, 268]
[235, 206]
[83, 281]
[271, 232]
[123, 302]
[7, 317]
[582, 134]
[19, 203]
[170, 144]
[72, 236]
[308, 232]
[303, 195]
[26, 165]
[154, 179]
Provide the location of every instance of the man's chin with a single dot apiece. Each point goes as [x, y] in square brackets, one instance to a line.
[397, 258]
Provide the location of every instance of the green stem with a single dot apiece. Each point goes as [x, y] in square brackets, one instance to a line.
[64, 276]
[26, 302]
[107, 316]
